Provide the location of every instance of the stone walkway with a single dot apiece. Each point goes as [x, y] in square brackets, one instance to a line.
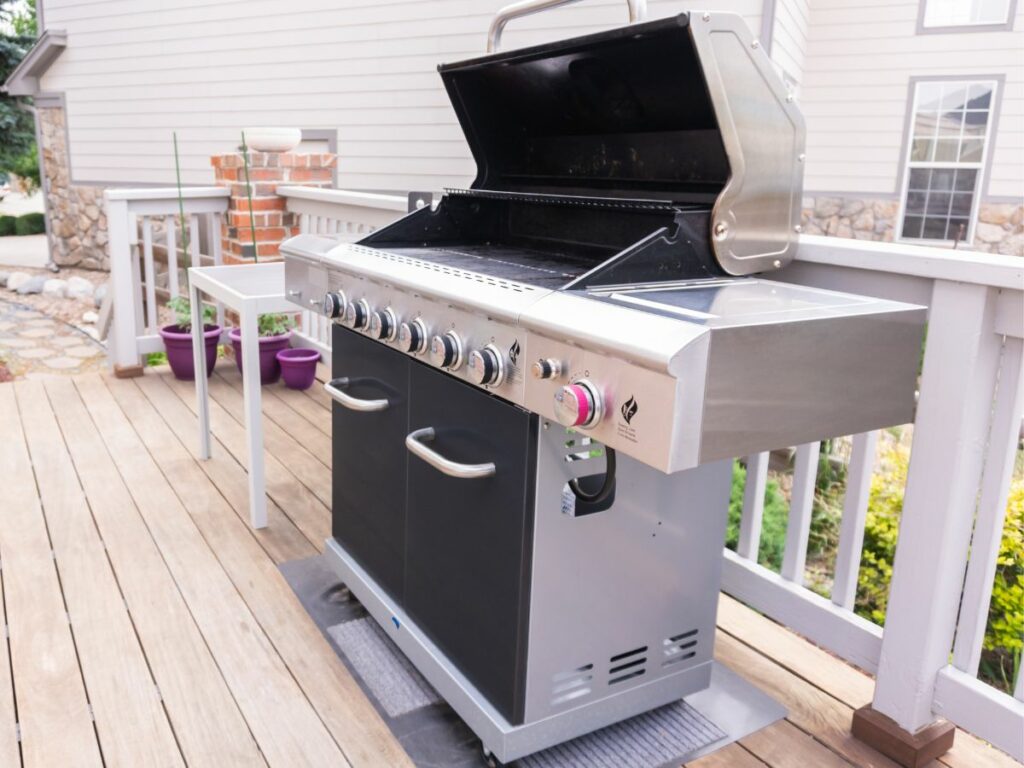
[32, 344]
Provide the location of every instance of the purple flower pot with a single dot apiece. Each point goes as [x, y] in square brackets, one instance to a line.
[270, 369]
[178, 344]
[298, 367]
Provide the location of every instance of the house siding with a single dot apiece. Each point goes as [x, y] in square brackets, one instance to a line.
[136, 70]
[854, 94]
[790, 21]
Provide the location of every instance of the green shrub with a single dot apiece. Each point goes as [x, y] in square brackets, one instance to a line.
[773, 522]
[30, 224]
[1004, 636]
[182, 308]
[274, 325]
[7, 225]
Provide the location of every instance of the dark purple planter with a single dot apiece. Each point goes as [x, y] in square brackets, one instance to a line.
[270, 369]
[178, 344]
[298, 367]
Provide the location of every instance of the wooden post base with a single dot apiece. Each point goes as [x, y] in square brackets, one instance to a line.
[128, 371]
[911, 750]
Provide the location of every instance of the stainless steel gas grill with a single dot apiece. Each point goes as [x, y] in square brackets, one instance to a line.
[541, 381]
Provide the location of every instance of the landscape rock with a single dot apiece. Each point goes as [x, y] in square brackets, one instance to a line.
[90, 317]
[1012, 246]
[997, 213]
[851, 207]
[55, 287]
[989, 233]
[32, 285]
[16, 279]
[826, 206]
[80, 288]
[3, 278]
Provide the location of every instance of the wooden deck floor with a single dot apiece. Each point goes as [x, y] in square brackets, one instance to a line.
[149, 625]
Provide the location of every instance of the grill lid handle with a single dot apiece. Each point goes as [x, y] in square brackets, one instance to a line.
[637, 12]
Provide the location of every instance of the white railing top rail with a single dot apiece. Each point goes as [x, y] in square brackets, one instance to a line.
[345, 197]
[962, 266]
[167, 193]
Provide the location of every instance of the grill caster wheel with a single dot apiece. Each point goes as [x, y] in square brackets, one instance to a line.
[491, 760]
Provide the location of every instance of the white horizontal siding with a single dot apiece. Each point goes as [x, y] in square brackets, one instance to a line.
[136, 70]
[858, 66]
[789, 36]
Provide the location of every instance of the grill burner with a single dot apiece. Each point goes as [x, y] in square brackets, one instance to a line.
[540, 384]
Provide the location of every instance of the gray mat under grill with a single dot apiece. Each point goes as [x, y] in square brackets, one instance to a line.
[434, 736]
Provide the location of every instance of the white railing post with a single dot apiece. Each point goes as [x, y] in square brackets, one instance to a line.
[753, 506]
[950, 434]
[805, 473]
[855, 511]
[124, 355]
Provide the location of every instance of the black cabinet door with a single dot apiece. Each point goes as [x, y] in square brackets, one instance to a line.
[469, 540]
[369, 457]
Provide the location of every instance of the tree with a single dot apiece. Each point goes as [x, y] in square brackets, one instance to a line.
[17, 129]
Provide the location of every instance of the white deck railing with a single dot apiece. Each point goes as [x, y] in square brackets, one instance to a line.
[134, 275]
[965, 436]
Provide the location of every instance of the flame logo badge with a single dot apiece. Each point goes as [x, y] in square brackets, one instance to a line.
[629, 409]
[513, 351]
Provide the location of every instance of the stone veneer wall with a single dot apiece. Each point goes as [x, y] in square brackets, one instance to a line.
[1000, 227]
[78, 223]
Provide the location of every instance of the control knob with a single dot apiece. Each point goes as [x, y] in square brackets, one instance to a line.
[486, 366]
[356, 314]
[412, 337]
[578, 404]
[334, 304]
[546, 368]
[384, 325]
[446, 351]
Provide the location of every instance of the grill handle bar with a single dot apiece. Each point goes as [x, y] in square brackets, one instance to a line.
[414, 442]
[637, 12]
[333, 388]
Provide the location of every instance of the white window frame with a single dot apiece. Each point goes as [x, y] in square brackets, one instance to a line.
[966, 26]
[981, 166]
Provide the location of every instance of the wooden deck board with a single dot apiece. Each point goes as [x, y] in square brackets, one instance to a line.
[132, 724]
[325, 681]
[53, 709]
[289, 732]
[9, 753]
[207, 723]
[132, 446]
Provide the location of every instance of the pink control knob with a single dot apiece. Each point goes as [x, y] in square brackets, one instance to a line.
[578, 404]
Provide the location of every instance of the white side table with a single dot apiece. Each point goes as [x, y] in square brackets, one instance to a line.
[250, 290]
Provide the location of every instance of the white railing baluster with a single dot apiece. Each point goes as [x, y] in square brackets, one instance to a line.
[855, 510]
[150, 272]
[193, 241]
[988, 524]
[214, 249]
[753, 506]
[805, 473]
[172, 257]
[133, 225]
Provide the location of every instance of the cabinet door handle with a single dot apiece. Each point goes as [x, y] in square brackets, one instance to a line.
[414, 442]
[333, 388]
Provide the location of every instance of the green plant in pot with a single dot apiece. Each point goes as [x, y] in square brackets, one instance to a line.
[275, 333]
[178, 338]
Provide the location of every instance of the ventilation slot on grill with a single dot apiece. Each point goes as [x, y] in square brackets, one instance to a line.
[679, 648]
[571, 685]
[627, 665]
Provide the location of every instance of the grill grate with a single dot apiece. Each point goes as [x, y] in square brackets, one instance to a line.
[577, 202]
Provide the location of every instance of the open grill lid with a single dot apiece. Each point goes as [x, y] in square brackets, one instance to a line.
[685, 110]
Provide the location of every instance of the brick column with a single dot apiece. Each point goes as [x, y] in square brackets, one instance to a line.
[267, 171]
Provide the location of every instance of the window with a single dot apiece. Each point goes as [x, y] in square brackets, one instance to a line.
[949, 130]
[964, 13]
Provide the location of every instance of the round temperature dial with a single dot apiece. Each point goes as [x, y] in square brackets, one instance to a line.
[334, 304]
[412, 337]
[357, 314]
[446, 351]
[384, 324]
[578, 404]
[486, 366]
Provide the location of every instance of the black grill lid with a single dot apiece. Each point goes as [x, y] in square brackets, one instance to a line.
[622, 114]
